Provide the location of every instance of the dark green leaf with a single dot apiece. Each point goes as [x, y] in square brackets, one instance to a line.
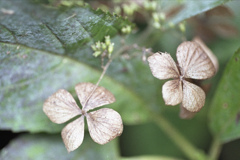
[225, 107]
[149, 158]
[191, 8]
[45, 49]
[41, 146]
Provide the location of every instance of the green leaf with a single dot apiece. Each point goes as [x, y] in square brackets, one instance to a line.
[149, 158]
[225, 107]
[42, 146]
[45, 49]
[191, 8]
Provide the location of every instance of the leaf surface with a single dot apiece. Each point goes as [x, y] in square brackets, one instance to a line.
[42, 146]
[191, 8]
[46, 49]
[225, 107]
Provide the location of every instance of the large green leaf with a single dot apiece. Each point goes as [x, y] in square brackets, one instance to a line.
[225, 107]
[42, 146]
[191, 8]
[43, 50]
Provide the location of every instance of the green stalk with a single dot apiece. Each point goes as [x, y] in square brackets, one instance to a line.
[187, 148]
[215, 149]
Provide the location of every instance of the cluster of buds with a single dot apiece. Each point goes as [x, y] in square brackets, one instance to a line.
[103, 48]
[129, 9]
[126, 30]
[71, 3]
[158, 18]
[150, 5]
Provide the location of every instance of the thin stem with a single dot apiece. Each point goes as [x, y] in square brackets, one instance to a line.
[100, 78]
[103, 73]
[190, 151]
[215, 149]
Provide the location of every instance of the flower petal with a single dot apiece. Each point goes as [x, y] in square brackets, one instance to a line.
[194, 62]
[61, 106]
[104, 125]
[73, 133]
[172, 92]
[163, 66]
[99, 97]
[185, 114]
[208, 52]
[193, 97]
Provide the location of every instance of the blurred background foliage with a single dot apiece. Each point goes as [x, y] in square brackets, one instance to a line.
[45, 45]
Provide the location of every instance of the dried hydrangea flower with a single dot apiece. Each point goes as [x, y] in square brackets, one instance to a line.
[208, 52]
[104, 124]
[193, 63]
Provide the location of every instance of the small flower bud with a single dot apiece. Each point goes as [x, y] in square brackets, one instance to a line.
[155, 17]
[157, 25]
[117, 10]
[110, 48]
[150, 5]
[94, 47]
[97, 53]
[107, 40]
[98, 45]
[104, 46]
[126, 30]
[162, 16]
[182, 27]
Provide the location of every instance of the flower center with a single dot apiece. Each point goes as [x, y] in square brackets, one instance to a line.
[83, 113]
[181, 78]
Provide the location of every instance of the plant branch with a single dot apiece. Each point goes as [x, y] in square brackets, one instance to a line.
[190, 151]
[215, 149]
[105, 67]
[100, 78]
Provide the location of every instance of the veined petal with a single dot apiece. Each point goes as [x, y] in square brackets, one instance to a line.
[73, 134]
[172, 92]
[194, 62]
[61, 107]
[193, 97]
[104, 125]
[163, 66]
[208, 52]
[98, 97]
[185, 114]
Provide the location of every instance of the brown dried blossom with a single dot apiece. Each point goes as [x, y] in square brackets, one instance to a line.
[193, 63]
[104, 124]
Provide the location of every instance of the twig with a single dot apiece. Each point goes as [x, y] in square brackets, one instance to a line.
[215, 149]
[100, 78]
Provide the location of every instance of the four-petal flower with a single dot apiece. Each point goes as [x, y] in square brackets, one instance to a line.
[193, 63]
[104, 124]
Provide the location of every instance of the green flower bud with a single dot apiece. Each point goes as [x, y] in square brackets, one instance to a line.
[110, 48]
[162, 16]
[155, 16]
[157, 25]
[126, 30]
[97, 53]
[182, 27]
[117, 10]
[98, 45]
[107, 40]
[104, 46]
[93, 47]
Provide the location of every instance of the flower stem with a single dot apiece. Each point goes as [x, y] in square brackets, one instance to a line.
[188, 149]
[215, 149]
[105, 67]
